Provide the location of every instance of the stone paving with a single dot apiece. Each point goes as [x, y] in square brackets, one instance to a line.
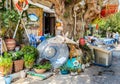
[89, 76]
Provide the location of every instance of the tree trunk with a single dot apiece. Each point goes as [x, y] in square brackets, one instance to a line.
[85, 13]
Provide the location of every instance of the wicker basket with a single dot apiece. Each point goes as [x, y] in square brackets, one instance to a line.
[18, 65]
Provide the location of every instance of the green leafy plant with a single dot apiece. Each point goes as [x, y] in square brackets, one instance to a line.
[9, 19]
[30, 54]
[14, 55]
[2, 4]
[7, 55]
[29, 60]
[64, 67]
[17, 55]
[6, 64]
[113, 22]
[46, 66]
[73, 70]
[29, 50]
[109, 24]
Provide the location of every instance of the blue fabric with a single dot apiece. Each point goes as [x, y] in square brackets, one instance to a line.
[108, 41]
[32, 40]
[42, 38]
[116, 36]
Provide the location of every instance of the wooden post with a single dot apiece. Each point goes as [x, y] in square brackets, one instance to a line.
[75, 23]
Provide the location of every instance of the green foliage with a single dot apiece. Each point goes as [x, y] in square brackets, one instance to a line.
[46, 66]
[30, 55]
[9, 18]
[64, 67]
[73, 69]
[85, 47]
[2, 4]
[7, 55]
[14, 55]
[29, 50]
[111, 24]
[29, 60]
[102, 23]
[17, 55]
[6, 63]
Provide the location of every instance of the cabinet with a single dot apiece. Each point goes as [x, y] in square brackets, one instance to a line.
[102, 56]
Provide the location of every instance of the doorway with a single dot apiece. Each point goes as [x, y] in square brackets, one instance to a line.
[49, 24]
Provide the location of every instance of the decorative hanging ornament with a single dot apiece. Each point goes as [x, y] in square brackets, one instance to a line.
[82, 41]
[21, 5]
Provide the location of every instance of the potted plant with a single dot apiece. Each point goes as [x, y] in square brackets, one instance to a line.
[73, 71]
[29, 60]
[30, 54]
[41, 68]
[64, 69]
[9, 20]
[18, 61]
[29, 50]
[5, 65]
[6, 68]
[17, 58]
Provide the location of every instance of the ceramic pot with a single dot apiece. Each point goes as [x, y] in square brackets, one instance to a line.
[10, 43]
[23, 73]
[64, 72]
[39, 70]
[2, 70]
[73, 73]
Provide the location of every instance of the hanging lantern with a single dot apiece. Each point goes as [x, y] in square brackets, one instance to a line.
[82, 41]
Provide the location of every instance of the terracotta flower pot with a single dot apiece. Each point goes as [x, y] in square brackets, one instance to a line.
[39, 70]
[18, 65]
[2, 71]
[10, 43]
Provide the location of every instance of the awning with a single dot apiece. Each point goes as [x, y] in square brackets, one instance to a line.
[45, 8]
